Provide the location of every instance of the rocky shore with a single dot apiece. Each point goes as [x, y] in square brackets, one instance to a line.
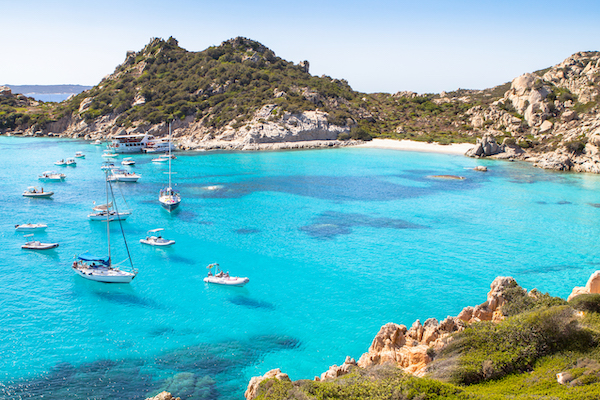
[411, 349]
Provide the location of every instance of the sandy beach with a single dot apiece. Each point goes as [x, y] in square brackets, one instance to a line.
[409, 145]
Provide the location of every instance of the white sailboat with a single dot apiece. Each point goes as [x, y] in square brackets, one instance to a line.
[101, 269]
[168, 197]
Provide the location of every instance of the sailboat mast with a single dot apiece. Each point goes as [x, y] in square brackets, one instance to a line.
[107, 217]
[169, 155]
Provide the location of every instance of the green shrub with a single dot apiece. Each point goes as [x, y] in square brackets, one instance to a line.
[586, 302]
[485, 350]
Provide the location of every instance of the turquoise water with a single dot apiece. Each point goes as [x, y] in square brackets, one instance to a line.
[335, 242]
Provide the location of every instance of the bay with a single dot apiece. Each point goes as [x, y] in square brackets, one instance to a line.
[336, 243]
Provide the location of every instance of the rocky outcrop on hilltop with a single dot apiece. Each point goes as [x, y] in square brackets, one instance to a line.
[552, 115]
[592, 287]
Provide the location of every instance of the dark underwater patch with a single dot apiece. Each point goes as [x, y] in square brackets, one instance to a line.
[251, 303]
[563, 202]
[331, 223]
[246, 231]
[193, 373]
[597, 205]
[336, 188]
[549, 268]
[126, 299]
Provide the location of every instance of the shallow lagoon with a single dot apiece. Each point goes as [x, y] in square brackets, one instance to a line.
[335, 242]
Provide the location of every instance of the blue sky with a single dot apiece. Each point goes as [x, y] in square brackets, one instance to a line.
[424, 46]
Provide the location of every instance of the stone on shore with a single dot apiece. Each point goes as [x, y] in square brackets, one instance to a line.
[592, 287]
[252, 390]
[163, 396]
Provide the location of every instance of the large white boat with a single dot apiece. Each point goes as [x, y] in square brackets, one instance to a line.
[120, 175]
[101, 269]
[169, 198]
[223, 278]
[130, 143]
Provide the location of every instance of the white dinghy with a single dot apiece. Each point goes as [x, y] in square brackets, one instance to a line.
[156, 240]
[223, 278]
[37, 245]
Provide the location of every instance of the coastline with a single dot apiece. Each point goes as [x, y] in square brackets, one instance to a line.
[410, 145]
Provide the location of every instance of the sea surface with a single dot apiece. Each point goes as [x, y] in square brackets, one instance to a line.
[336, 243]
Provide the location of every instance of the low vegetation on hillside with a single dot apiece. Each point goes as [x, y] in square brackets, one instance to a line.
[518, 358]
[227, 84]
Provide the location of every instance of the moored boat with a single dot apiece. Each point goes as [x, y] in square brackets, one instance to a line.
[128, 161]
[109, 154]
[120, 175]
[156, 240]
[110, 215]
[223, 278]
[31, 227]
[61, 162]
[130, 143]
[168, 197]
[79, 154]
[32, 191]
[37, 245]
[70, 162]
[51, 176]
[101, 269]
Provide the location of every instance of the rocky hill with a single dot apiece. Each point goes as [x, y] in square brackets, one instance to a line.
[240, 95]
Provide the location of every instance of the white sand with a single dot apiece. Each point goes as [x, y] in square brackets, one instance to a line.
[409, 145]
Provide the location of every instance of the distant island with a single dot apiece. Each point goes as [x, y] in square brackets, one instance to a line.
[241, 96]
[54, 93]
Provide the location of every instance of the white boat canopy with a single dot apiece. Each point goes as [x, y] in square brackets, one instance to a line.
[156, 230]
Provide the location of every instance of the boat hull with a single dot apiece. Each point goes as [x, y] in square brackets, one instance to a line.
[169, 206]
[42, 195]
[39, 246]
[111, 217]
[227, 281]
[151, 242]
[105, 275]
[31, 227]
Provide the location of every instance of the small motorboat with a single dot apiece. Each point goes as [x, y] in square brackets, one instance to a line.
[120, 175]
[156, 240]
[71, 162]
[128, 161]
[52, 176]
[61, 162]
[37, 245]
[223, 278]
[79, 154]
[107, 165]
[31, 227]
[97, 142]
[161, 159]
[109, 154]
[32, 191]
